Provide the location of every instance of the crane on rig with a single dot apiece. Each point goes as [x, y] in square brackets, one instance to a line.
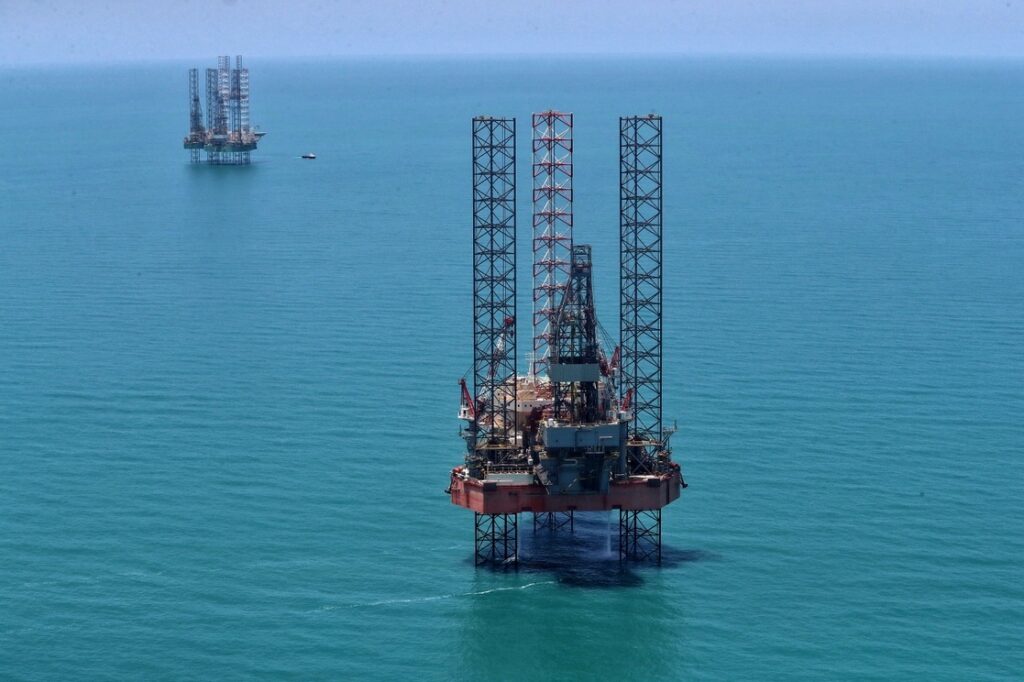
[582, 429]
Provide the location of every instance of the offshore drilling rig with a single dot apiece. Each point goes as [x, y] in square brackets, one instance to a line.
[582, 429]
[226, 136]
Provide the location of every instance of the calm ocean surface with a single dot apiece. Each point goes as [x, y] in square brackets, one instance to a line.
[228, 395]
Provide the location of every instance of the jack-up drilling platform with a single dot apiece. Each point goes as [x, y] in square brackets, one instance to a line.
[582, 429]
[227, 137]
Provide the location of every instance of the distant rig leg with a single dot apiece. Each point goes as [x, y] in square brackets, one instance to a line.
[555, 522]
[497, 539]
[640, 535]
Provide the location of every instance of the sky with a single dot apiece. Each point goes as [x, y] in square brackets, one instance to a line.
[59, 31]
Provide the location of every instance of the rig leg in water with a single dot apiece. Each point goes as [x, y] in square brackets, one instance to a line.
[497, 539]
[640, 535]
[555, 522]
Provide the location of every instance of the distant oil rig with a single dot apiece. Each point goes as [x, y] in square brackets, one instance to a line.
[226, 136]
[582, 429]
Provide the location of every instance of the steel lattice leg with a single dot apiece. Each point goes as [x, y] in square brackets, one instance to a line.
[494, 288]
[496, 539]
[640, 535]
[640, 276]
[555, 522]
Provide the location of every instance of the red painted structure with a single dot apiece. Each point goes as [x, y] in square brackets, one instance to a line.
[636, 493]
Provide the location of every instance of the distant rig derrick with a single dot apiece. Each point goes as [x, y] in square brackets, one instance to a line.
[582, 429]
[225, 135]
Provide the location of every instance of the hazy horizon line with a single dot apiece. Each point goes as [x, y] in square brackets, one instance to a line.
[534, 56]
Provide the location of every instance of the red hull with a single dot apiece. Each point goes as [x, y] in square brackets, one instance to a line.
[635, 494]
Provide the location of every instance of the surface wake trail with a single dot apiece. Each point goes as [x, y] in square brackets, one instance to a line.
[438, 597]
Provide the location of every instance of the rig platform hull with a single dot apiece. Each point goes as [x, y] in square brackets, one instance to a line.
[637, 493]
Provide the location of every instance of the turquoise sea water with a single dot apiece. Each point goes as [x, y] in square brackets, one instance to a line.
[228, 395]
